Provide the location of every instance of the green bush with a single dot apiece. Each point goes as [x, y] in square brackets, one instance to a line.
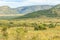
[5, 34]
[40, 27]
[51, 25]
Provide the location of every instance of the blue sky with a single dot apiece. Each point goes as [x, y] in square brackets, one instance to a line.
[17, 3]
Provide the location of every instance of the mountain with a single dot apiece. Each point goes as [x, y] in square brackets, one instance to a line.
[54, 12]
[30, 9]
[7, 10]
[23, 10]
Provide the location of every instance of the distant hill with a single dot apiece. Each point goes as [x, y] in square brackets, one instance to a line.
[23, 10]
[7, 10]
[30, 9]
[50, 13]
[56, 10]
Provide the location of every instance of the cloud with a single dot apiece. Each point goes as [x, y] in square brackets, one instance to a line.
[28, 2]
[11, 0]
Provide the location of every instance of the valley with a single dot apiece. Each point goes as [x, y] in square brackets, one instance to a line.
[30, 23]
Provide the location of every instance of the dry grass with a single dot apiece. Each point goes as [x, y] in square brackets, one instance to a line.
[21, 34]
[28, 33]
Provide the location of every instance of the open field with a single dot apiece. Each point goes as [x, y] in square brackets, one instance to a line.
[27, 30]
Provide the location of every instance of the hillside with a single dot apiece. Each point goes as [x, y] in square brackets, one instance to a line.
[50, 13]
[7, 10]
[23, 10]
[56, 10]
[30, 9]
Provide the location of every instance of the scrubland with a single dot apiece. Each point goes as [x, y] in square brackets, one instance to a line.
[30, 29]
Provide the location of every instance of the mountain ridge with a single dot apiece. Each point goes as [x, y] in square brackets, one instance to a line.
[54, 12]
[23, 10]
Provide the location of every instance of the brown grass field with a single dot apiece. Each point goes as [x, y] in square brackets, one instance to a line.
[27, 33]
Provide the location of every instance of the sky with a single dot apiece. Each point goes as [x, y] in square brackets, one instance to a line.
[19, 3]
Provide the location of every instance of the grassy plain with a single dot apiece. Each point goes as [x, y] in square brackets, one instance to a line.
[27, 29]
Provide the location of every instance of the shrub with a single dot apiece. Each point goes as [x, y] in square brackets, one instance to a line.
[5, 34]
[40, 27]
[10, 24]
[51, 25]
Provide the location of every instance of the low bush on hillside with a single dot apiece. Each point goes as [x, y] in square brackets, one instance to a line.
[51, 25]
[39, 26]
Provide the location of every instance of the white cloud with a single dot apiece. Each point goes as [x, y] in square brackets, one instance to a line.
[29, 2]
